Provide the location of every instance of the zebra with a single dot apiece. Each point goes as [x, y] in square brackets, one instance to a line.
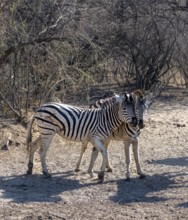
[77, 124]
[125, 132]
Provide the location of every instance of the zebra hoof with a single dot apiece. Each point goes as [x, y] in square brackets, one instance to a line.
[109, 170]
[142, 176]
[29, 172]
[90, 172]
[30, 168]
[46, 174]
[77, 170]
[101, 177]
[128, 179]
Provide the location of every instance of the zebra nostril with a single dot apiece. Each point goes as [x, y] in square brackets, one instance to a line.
[141, 124]
[134, 121]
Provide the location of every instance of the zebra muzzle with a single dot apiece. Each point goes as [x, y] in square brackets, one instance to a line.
[141, 124]
[134, 122]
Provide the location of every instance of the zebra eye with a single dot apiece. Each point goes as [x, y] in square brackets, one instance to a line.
[126, 97]
[131, 99]
[143, 103]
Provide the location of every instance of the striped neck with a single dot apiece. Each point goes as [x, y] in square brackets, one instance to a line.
[109, 119]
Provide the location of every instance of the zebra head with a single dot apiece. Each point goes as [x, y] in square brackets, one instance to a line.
[140, 106]
[126, 110]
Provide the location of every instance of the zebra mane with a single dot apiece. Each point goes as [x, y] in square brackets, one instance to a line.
[107, 102]
[141, 98]
[139, 93]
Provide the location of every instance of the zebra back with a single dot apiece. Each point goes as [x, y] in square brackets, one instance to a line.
[79, 124]
[103, 103]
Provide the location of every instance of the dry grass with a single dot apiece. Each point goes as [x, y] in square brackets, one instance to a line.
[161, 195]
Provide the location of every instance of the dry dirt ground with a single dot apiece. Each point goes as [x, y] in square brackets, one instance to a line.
[163, 194]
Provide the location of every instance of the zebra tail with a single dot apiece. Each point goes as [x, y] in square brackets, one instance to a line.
[29, 133]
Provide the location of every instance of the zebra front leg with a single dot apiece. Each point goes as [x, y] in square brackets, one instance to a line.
[128, 158]
[101, 147]
[94, 156]
[84, 147]
[104, 162]
[136, 157]
[33, 147]
[108, 166]
[46, 141]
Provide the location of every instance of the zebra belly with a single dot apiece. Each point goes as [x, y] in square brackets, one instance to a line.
[77, 139]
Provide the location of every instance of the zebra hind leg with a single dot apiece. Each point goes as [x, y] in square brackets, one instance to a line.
[84, 147]
[46, 141]
[33, 147]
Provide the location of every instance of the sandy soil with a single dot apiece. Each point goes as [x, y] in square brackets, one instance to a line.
[163, 194]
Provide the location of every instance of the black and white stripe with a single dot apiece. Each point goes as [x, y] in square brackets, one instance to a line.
[76, 124]
[125, 132]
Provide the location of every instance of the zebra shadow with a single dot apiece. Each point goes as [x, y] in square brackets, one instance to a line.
[177, 161]
[183, 205]
[36, 188]
[142, 190]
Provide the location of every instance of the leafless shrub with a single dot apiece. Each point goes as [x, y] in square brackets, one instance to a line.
[56, 48]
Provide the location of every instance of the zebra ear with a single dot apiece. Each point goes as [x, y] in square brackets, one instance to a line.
[148, 99]
[126, 96]
[133, 97]
[129, 98]
[139, 93]
[119, 98]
